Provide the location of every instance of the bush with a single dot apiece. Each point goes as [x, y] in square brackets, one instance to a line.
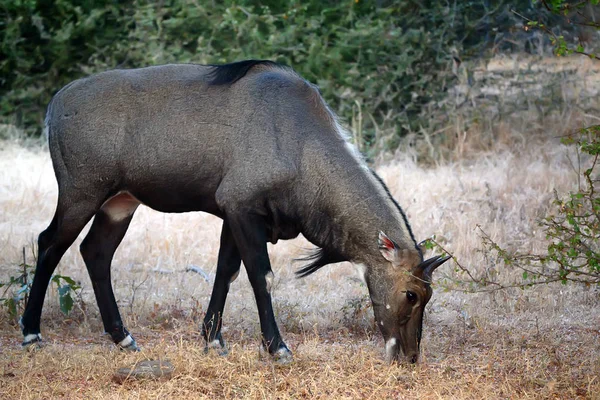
[572, 229]
[15, 291]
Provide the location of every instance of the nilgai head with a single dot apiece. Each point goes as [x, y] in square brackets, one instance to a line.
[400, 287]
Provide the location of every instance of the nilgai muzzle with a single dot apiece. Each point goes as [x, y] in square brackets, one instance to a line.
[250, 142]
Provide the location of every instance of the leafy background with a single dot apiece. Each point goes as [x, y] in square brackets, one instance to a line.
[379, 64]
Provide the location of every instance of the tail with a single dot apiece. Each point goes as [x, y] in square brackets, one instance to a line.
[48, 119]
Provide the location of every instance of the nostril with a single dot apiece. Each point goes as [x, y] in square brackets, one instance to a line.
[414, 358]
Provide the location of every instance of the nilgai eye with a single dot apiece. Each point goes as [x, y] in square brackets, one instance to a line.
[411, 296]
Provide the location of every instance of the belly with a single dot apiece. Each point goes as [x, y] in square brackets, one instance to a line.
[176, 201]
[124, 203]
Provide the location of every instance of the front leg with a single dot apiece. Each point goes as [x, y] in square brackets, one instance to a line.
[228, 267]
[249, 232]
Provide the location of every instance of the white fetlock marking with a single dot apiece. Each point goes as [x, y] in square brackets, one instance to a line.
[32, 337]
[126, 342]
[282, 353]
[215, 344]
[283, 356]
[389, 349]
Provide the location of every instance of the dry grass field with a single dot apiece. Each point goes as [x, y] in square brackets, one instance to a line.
[542, 342]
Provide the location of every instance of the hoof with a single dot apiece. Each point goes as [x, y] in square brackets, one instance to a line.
[128, 344]
[283, 355]
[32, 342]
[217, 346]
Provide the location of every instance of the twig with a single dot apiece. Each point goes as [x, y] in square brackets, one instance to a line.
[134, 290]
[565, 273]
[461, 267]
[564, 7]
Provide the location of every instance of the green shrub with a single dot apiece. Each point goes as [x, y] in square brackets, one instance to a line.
[571, 228]
[15, 292]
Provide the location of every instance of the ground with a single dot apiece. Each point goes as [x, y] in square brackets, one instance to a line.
[465, 363]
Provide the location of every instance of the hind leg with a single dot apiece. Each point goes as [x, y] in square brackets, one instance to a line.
[72, 213]
[108, 229]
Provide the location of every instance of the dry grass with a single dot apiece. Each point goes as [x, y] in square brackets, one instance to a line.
[541, 343]
[345, 369]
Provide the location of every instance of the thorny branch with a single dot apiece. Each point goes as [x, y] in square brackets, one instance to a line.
[485, 285]
[572, 231]
[558, 40]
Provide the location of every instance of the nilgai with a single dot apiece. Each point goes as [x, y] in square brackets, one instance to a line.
[250, 142]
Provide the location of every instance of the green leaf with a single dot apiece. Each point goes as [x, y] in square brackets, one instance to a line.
[525, 275]
[69, 280]
[65, 300]
[11, 304]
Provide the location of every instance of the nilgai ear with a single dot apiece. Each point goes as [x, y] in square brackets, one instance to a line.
[388, 248]
[428, 266]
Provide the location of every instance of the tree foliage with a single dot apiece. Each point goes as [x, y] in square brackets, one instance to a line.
[579, 13]
[378, 63]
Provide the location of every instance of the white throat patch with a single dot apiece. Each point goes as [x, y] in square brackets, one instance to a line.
[361, 270]
[390, 346]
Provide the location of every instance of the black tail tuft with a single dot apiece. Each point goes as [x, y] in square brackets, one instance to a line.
[228, 74]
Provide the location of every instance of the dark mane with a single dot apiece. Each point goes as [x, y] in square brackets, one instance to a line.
[321, 257]
[228, 74]
[399, 209]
